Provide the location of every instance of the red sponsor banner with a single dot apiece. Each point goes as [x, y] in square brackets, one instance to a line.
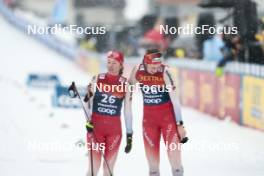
[189, 88]
[217, 96]
[228, 89]
[208, 101]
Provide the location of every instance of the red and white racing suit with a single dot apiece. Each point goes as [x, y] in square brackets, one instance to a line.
[160, 114]
[106, 103]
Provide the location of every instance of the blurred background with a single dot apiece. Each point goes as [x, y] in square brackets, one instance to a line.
[220, 80]
[130, 24]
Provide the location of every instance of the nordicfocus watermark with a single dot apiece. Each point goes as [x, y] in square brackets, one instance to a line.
[190, 29]
[125, 87]
[57, 146]
[80, 146]
[203, 146]
[72, 29]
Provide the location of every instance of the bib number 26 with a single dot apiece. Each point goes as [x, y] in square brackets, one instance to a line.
[108, 99]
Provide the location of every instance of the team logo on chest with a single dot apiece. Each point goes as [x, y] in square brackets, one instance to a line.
[152, 79]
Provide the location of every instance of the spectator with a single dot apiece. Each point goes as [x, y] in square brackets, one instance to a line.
[232, 50]
[154, 39]
[212, 49]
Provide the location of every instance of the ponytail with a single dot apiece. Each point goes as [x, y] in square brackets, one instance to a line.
[121, 70]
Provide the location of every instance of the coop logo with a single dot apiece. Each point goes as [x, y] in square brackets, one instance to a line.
[152, 101]
[107, 110]
[43, 80]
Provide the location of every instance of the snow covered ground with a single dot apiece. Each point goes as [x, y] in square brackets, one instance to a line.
[37, 139]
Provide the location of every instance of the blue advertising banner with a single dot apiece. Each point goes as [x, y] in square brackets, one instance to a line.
[43, 80]
[61, 98]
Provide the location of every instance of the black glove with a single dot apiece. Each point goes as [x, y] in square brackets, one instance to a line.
[184, 140]
[89, 127]
[86, 98]
[129, 143]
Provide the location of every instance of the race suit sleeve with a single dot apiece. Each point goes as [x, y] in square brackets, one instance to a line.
[128, 101]
[91, 88]
[170, 80]
[132, 79]
[128, 111]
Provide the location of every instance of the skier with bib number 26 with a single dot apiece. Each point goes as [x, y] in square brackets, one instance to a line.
[161, 112]
[105, 109]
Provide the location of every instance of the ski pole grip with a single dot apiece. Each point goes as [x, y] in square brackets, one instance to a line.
[72, 90]
[73, 84]
[184, 140]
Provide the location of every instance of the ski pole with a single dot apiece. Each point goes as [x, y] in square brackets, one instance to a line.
[95, 138]
[73, 92]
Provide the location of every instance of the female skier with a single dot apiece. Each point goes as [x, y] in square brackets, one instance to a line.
[161, 113]
[106, 93]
